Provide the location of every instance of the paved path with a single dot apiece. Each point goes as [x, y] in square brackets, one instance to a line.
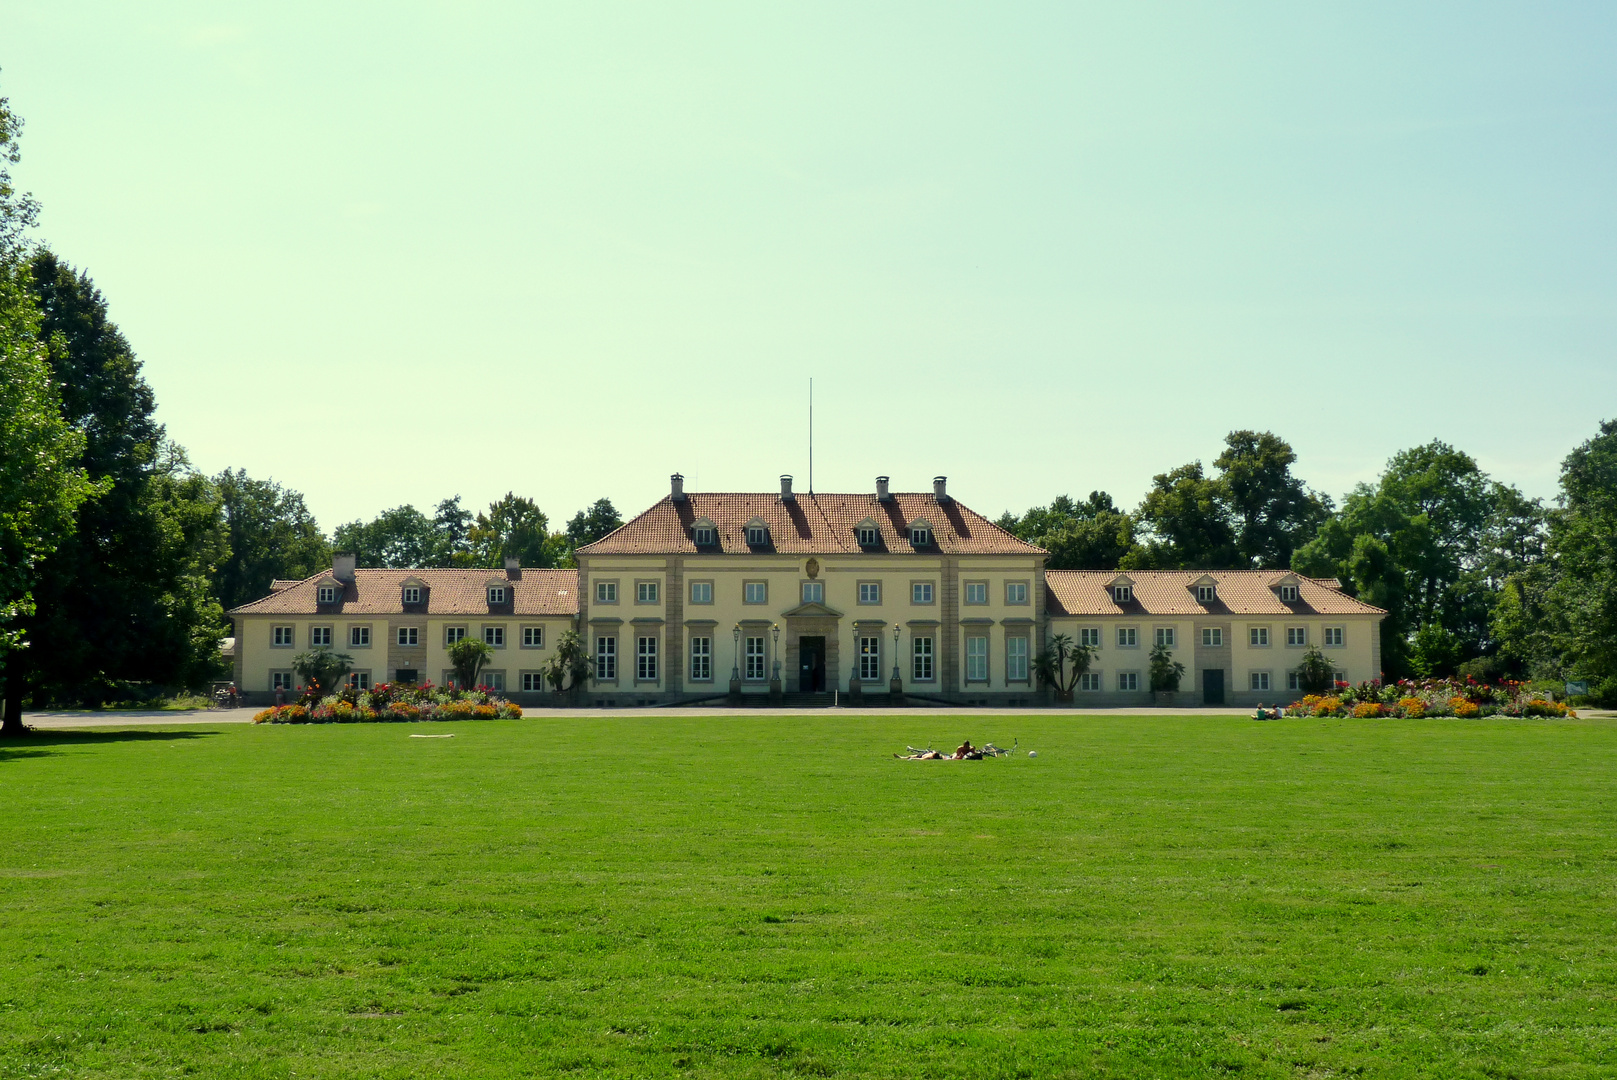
[136, 718]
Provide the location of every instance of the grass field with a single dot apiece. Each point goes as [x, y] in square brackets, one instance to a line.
[647, 896]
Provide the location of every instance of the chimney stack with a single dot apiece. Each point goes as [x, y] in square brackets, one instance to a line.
[513, 569]
[677, 484]
[940, 489]
[881, 490]
[786, 488]
[342, 566]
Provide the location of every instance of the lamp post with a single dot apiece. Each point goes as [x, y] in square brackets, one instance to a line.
[895, 690]
[735, 663]
[774, 680]
[856, 690]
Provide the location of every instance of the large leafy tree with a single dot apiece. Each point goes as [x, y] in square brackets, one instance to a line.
[1187, 523]
[271, 535]
[513, 528]
[400, 537]
[1582, 601]
[127, 597]
[1272, 511]
[590, 525]
[1088, 535]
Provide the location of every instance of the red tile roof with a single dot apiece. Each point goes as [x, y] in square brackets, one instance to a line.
[809, 525]
[448, 592]
[1171, 592]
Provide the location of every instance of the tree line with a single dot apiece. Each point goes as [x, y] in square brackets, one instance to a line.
[1477, 578]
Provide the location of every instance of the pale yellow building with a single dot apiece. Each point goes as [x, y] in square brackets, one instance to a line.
[749, 595]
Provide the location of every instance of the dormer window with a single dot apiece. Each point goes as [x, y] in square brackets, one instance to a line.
[326, 594]
[1206, 594]
[920, 534]
[412, 594]
[867, 535]
[704, 534]
[757, 534]
[1122, 594]
[496, 594]
[1288, 594]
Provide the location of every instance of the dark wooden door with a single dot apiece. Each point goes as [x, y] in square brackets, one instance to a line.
[811, 664]
[1213, 686]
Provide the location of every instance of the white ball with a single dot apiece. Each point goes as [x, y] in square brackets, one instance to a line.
[1032, 753]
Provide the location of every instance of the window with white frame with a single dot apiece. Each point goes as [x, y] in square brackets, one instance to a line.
[606, 592]
[1128, 637]
[1294, 680]
[494, 680]
[1090, 681]
[1128, 680]
[757, 535]
[867, 536]
[320, 637]
[495, 636]
[1260, 680]
[704, 536]
[701, 592]
[606, 657]
[1122, 594]
[701, 659]
[409, 636]
[1016, 659]
[977, 658]
[1339, 677]
[813, 592]
[1333, 636]
[645, 592]
[280, 680]
[412, 594]
[359, 637]
[496, 594]
[1016, 592]
[1296, 635]
[453, 634]
[532, 681]
[755, 592]
[1288, 594]
[533, 637]
[1206, 594]
[1257, 636]
[1089, 637]
[326, 594]
[921, 592]
[869, 658]
[755, 659]
[870, 592]
[976, 592]
[920, 535]
[281, 637]
[922, 650]
[645, 659]
[1165, 637]
[1212, 637]
[359, 680]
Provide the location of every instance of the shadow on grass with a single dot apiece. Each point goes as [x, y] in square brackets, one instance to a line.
[39, 742]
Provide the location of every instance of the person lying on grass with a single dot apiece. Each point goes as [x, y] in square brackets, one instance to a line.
[964, 752]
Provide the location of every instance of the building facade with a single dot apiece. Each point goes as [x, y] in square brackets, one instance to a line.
[708, 595]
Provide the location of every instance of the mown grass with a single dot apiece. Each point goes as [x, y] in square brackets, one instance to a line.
[649, 896]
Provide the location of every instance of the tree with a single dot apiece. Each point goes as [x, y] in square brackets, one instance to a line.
[467, 657]
[1315, 672]
[1165, 671]
[1187, 522]
[321, 669]
[42, 483]
[1091, 535]
[397, 538]
[271, 535]
[513, 528]
[1272, 512]
[1051, 665]
[18, 212]
[588, 526]
[125, 599]
[453, 525]
[570, 664]
[1582, 601]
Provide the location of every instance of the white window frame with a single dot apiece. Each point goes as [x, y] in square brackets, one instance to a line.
[533, 637]
[453, 634]
[1128, 637]
[870, 592]
[288, 633]
[1016, 658]
[1257, 637]
[320, 637]
[606, 657]
[494, 635]
[359, 637]
[1122, 594]
[701, 659]
[922, 668]
[920, 536]
[1090, 682]
[1016, 592]
[532, 682]
[869, 657]
[497, 595]
[756, 655]
[1294, 681]
[1258, 682]
[701, 592]
[408, 636]
[867, 535]
[282, 680]
[325, 594]
[1165, 636]
[1288, 594]
[813, 592]
[1212, 637]
[757, 535]
[755, 592]
[704, 536]
[606, 592]
[1089, 636]
[647, 592]
[412, 594]
[921, 592]
[977, 658]
[975, 593]
[1296, 637]
[359, 680]
[1337, 632]
[494, 680]
[1128, 682]
[645, 658]
[1206, 594]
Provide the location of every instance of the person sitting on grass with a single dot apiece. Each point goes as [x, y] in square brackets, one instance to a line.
[967, 752]
[1261, 715]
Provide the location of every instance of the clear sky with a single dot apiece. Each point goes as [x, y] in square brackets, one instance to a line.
[389, 252]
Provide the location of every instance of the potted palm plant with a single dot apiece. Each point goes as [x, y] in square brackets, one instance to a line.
[1060, 665]
[1165, 675]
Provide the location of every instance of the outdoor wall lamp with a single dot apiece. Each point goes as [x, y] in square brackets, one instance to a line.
[735, 654]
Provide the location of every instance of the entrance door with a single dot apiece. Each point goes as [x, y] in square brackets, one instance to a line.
[811, 664]
[1213, 686]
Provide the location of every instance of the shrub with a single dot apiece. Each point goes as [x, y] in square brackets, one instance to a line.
[399, 704]
[1366, 710]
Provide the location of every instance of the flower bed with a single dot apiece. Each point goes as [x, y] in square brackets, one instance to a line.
[1464, 699]
[391, 703]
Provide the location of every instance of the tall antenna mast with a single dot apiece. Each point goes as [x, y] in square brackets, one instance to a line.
[811, 434]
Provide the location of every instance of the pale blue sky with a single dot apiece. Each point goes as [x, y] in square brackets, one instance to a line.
[388, 252]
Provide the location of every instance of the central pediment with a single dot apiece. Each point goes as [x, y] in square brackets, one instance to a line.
[813, 610]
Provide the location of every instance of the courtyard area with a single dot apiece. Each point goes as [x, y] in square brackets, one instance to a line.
[672, 895]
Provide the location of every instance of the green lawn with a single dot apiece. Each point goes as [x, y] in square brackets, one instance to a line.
[646, 896]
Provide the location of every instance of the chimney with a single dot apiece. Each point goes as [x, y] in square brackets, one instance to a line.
[677, 485]
[342, 566]
[786, 488]
[513, 569]
[881, 490]
[940, 489]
